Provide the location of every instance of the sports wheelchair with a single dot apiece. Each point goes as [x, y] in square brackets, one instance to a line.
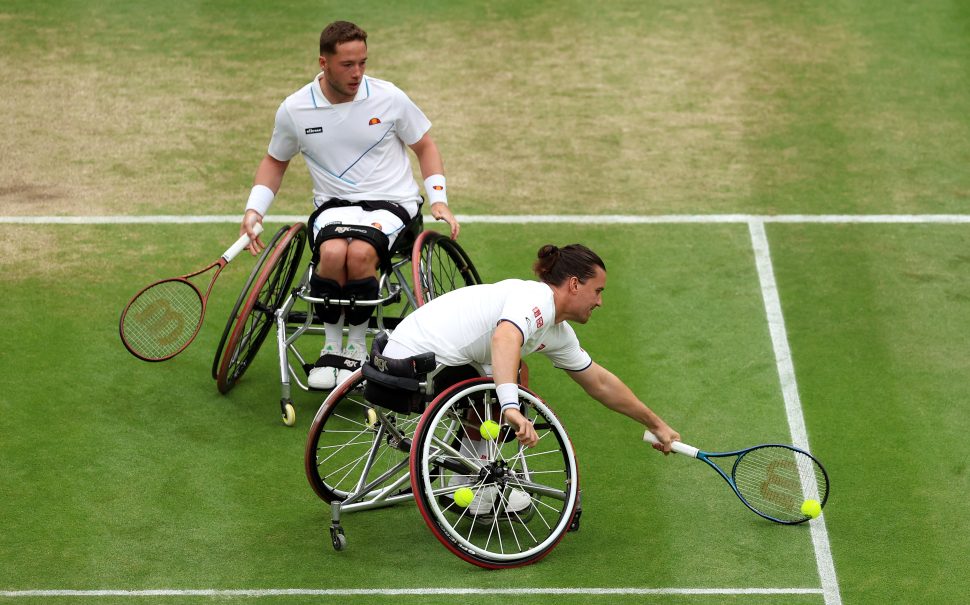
[420, 266]
[380, 439]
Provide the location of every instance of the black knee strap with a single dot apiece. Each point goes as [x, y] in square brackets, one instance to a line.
[322, 287]
[360, 289]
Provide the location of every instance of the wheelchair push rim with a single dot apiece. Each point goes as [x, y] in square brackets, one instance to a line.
[439, 265]
[254, 314]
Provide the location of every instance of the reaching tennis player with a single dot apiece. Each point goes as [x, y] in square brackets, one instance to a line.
[496, 324]
[353, 131]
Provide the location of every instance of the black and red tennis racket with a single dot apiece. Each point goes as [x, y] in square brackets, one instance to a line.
[164, 318]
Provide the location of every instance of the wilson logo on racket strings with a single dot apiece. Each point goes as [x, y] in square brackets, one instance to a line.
[162, 320]
[781, 483]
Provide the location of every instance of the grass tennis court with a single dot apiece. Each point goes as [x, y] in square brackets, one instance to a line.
[121, 475]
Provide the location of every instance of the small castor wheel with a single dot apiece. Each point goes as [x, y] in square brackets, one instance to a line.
[337, 538]
[289, 413]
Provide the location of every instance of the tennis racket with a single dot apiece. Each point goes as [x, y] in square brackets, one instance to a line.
[772, 480]
[165, 317]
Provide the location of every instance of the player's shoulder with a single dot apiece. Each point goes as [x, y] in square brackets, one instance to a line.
[379, 86]
[383, 91]
[308, 95]
[533, 291]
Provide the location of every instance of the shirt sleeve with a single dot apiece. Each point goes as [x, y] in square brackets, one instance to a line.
[565, 351]
[412, 124]
[522, 312]
[285, 144]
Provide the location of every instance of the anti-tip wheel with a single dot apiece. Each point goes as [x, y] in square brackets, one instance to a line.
[289, 414]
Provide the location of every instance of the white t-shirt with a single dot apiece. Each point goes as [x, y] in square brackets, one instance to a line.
[458, 326]
[356, 150]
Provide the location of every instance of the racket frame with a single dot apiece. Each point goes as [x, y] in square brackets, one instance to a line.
[679, 447]
[238, 246]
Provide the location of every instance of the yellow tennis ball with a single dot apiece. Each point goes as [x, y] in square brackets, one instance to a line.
[489, 430]
[811, 508]
[464, 497]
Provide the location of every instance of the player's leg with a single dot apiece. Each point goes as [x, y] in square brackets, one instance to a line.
[327, 282]
[362, 282]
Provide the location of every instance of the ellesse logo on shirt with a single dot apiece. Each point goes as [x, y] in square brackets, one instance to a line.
[314, 130]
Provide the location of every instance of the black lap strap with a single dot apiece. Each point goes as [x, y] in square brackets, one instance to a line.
[371, 205]
[372, 374]
[375, 239]
[396, 383]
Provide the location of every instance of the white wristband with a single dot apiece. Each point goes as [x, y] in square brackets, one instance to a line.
[260, 199]
[435, 187]
[508, 395]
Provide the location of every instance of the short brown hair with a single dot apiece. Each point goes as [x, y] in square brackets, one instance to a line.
[555, 265]
[339, 32]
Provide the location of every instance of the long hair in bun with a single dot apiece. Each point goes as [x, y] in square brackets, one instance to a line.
[555, 265]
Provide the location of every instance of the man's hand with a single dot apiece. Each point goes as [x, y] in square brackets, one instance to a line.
[442, 212]
[250, 219]
[666, 435]
[524, 431]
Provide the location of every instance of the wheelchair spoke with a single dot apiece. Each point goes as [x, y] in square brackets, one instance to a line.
[524, 498]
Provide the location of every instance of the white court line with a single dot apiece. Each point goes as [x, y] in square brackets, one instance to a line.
[591, 219]
[352, 592]
[793, 404]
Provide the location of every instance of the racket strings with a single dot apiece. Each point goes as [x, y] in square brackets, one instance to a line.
[162, 319]
[776, 480]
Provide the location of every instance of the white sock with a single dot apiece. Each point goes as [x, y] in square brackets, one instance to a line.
[335, 334]
[357, 336]
[474, 449]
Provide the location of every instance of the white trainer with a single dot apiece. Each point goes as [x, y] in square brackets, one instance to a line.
[485, 497]
[354, 353]
[323, 377]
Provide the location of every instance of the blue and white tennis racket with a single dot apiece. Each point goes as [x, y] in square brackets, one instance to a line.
[772, 480]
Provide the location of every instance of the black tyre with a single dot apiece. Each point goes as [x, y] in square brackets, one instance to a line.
[254, 313]
[438, 265]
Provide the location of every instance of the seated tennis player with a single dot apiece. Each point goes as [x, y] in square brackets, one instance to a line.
[495, 325]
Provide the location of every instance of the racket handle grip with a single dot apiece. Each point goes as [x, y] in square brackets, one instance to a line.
[241, 244]
[677, 447]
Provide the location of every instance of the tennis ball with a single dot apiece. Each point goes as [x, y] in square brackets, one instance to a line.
[811, 508]
[464, 497]
[489, 430]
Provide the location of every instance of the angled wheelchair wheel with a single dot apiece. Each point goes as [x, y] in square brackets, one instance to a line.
[439, 265]
[355, 449]
[523, 500]
[254, 313]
